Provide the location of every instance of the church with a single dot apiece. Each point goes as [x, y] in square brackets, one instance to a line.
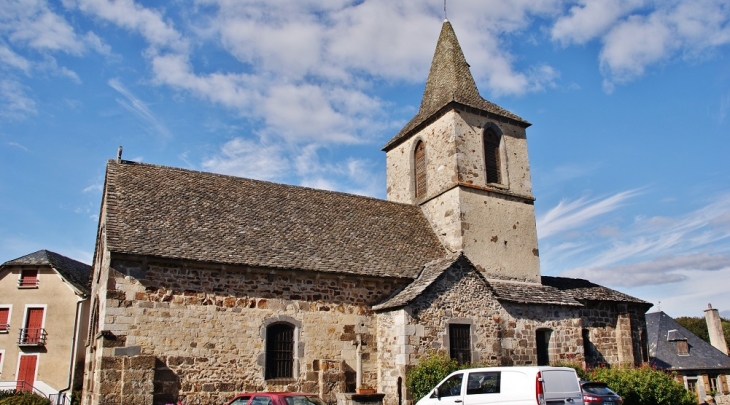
[206, 285]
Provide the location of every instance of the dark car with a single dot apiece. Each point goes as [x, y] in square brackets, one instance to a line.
[276, 398]
[597, 393]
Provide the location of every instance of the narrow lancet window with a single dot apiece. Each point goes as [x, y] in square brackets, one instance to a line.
[420, 169]
[491, 156]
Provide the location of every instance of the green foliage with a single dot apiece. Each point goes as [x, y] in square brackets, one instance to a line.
[582, 373]
[698, 326]
[430, 370]
[643, 386]
[12, 397]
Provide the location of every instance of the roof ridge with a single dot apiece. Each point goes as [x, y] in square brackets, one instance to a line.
[231, 176]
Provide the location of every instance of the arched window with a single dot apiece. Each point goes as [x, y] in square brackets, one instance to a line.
[279, 351]
[491, 155]
[419, 160]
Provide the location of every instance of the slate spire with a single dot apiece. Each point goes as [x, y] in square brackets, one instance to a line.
[449, 80]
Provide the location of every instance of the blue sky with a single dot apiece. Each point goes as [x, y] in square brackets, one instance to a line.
[628, 98]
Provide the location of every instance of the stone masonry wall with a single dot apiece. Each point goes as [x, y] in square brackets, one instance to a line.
[207, 325]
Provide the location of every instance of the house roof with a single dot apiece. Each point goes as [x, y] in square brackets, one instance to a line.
[74, 272]
[584, 290]
[449, 80]
[662, 333]
[183, 214]
[430, 272]
[532, 293]
[553, 290]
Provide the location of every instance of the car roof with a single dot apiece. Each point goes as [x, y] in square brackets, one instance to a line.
[272, 394]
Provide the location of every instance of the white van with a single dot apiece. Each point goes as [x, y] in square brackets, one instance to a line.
[508, 385]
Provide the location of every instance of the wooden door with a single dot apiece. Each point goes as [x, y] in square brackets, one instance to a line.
[26, 373]
[33, 325]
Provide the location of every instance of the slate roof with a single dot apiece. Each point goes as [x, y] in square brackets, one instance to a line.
[183, 214]
[74, 272]
[663, 352]
[532, 293]
[584, 290]
[449, 80]
[431, 271]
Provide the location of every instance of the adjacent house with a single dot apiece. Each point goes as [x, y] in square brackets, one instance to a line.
[207, 285]
[44, 311]
[702, 367]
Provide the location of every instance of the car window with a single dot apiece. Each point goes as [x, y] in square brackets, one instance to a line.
[303, 400]
[261, 401]
[240, 401]
[597, 389]
[483, 383]
[452, 386]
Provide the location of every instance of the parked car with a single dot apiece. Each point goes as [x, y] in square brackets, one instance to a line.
[276, 398]
[507, 385]
[598, 393]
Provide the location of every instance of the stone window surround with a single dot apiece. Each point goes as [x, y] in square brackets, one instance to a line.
[446, 342]
[298, 344]
[504, 173]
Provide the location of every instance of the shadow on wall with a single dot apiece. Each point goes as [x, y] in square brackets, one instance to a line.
[166, 384]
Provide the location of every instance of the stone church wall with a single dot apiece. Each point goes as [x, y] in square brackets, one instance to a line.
[206, 326]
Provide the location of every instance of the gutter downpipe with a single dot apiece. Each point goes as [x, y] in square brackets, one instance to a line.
[74, 349]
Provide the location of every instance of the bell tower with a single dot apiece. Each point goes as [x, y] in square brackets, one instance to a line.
[463, 160]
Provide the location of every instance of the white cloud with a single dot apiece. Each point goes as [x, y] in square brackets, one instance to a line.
[660, 270]
[15, 103]
[129, 15]
[590, 19]
[10, 58]
[32, 23]
[245, 158]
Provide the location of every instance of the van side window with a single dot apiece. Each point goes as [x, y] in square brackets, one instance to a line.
[483, 383]
[451, 387]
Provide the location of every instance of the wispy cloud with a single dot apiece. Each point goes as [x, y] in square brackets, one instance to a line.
[15, 103]
[139, 108]
[19, 146]
[568, 215]
[655, 250]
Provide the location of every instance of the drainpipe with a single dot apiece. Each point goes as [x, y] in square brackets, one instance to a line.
[358, 367]
[74, 349]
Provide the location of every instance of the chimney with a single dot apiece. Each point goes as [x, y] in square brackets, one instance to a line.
[714, 326]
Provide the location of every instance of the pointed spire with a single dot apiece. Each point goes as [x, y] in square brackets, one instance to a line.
[449, 78]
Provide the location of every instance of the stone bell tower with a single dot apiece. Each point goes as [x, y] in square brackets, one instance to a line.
[464, 160]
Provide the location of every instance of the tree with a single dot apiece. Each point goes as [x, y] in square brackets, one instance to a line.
[698, 326]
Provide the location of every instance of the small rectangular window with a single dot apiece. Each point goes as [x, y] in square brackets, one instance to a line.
[460, 343]
[28, 279]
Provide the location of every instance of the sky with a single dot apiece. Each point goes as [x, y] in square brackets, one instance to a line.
[629, 101]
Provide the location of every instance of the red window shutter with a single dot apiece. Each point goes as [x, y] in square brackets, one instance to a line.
[29, 278]
[33, 324]
[26, 373]
[4, 315]
[420, 163]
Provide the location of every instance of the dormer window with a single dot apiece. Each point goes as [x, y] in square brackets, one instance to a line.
[28, 279]
[492, 159]
[419, 163]
[680, 342]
